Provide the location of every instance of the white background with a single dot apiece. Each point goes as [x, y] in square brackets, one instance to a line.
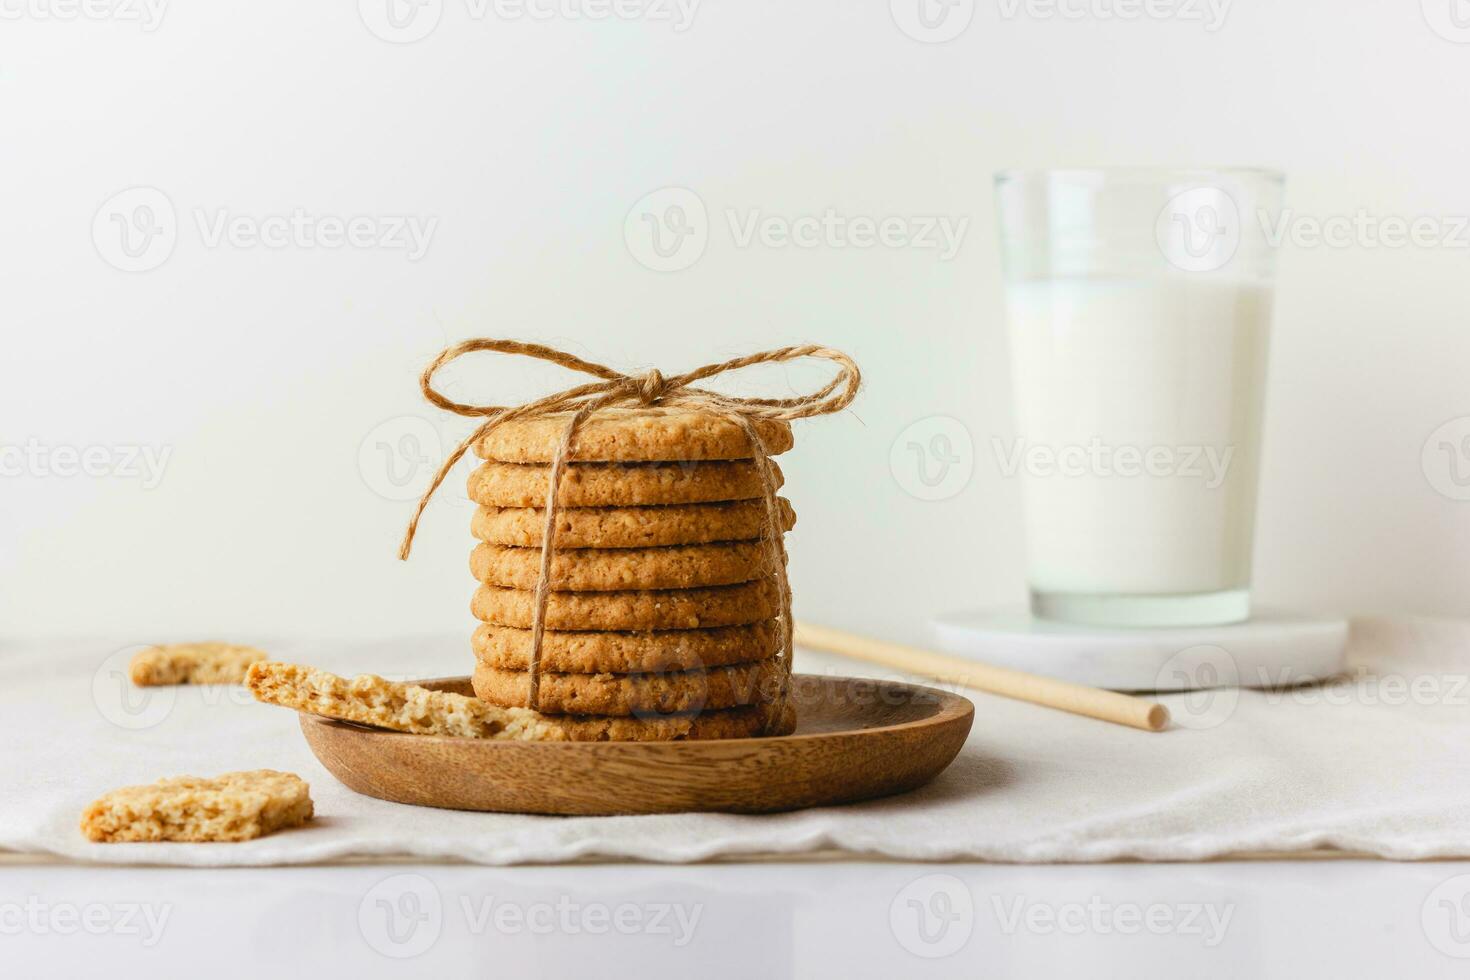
[262, 371]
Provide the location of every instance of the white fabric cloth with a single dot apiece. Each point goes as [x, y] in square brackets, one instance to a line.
[1378, 765]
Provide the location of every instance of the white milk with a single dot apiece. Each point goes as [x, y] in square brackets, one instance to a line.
[1139, 408]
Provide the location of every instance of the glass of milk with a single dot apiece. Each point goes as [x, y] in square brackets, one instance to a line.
[1139, 307]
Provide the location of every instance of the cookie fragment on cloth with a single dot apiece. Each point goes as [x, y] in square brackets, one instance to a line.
[236, 806]
[193, 663]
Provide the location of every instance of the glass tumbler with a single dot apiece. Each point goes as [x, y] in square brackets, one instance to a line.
[1139, 308]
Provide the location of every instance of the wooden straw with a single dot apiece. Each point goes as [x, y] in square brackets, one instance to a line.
[1120, 709]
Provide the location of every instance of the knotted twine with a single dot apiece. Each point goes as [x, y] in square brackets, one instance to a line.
[649, 388]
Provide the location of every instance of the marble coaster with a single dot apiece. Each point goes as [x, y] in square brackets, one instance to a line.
[1271, 649]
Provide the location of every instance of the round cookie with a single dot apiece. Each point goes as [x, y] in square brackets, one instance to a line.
[661, 609]
[577, 652]
[647, 433]
[611, 569]
[633, 694]
[748, 722]
[630, 527]
[620, 484]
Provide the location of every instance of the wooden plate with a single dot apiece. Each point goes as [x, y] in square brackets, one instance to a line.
[855, 740]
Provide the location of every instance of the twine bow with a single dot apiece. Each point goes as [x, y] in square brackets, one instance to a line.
[649, 388]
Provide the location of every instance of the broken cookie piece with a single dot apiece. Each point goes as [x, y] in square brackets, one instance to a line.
[193, 663]
[371, 700]
[233, 807]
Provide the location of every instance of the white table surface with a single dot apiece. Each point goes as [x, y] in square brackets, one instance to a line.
[840, 918]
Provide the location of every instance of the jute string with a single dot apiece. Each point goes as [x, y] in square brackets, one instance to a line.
[649, 388]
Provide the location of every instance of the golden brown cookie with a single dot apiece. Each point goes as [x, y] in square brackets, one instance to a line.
[609, 569]
[233, 807]
[748, 722]
[630, 527]
[371, 700]
[633, 694]
[661, 609]
[620, 484]
[579, 652]
[652, 433]
[193, 663]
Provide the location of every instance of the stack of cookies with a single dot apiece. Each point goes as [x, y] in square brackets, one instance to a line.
[664, 616]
